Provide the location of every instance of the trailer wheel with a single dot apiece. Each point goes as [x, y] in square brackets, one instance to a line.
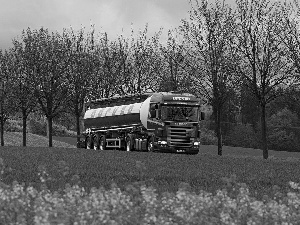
[129, 145]
[102, 144]
[89, 142]
[96, 142]
[150, 146]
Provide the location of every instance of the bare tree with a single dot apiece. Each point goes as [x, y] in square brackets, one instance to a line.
[123, 66]
[208, 31]
[22, 87]
[175, 75]
[79, 70]
[290, 32]
[142, 63]
[48, 56]
[125, 70]
[263, 57]
[7, 105]
[106, 68]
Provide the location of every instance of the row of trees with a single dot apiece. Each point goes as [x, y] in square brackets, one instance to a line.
[246, 44]
[214, 54]
[61, 71]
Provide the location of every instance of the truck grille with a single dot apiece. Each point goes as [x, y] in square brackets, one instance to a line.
[179, 136]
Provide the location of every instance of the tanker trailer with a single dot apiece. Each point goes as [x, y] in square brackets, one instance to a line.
[165, 122]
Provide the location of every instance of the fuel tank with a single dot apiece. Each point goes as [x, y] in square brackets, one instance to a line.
[117, 116]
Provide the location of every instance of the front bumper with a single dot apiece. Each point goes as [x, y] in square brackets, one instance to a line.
[173, 149]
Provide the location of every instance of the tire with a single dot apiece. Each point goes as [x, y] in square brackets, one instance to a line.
[150, 146]
[96, 142]
[102, 144]
[129, 147]
[89, 142]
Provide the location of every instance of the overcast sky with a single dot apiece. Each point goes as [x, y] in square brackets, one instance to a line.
[111, 16]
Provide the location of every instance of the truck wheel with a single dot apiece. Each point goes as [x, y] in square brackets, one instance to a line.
[150, 146]
[129, 145]
[89, 142]
[96, 142]
[102, 143]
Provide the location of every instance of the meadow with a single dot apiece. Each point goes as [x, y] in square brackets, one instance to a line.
[62, 179]
[34, 140]
[205, 171]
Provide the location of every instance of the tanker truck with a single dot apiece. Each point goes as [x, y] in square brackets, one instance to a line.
[163, 122]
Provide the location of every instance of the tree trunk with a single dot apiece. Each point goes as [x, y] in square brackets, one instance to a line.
[2, 129]
[24, 127]
[49, 128]
[264, 131]
[219, 132]
[78, 127]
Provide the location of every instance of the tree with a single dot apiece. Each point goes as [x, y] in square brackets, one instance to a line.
[175, 75]
[107, 68]
[290, 35]
[47, 53]
[22, 88]
[263, 59]
[249, 105]
[79, 71]
[208, 32]
[124, 73]
[140, 75]
[7, 105]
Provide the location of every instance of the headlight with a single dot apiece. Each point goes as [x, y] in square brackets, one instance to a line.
[162, 142]
[196, 143]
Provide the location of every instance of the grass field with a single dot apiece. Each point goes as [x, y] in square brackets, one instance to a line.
[165, 172]
[34, 140]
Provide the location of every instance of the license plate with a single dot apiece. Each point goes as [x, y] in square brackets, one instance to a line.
[180, 150]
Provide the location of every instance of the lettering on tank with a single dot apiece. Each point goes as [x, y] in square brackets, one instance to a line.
[182, 98]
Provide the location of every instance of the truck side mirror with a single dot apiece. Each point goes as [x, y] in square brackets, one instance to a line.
[202, 116]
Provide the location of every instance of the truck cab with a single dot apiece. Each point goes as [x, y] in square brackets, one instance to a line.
[174, 118]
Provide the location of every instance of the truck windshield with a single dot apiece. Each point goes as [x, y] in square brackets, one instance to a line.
[179, 113]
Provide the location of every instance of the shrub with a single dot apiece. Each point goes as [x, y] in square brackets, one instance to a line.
[283, 118]
[13, 126]
[243, 135]
[208, 137]
[280, 133]
[59, 130]
[37, 127]
[282, 140]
